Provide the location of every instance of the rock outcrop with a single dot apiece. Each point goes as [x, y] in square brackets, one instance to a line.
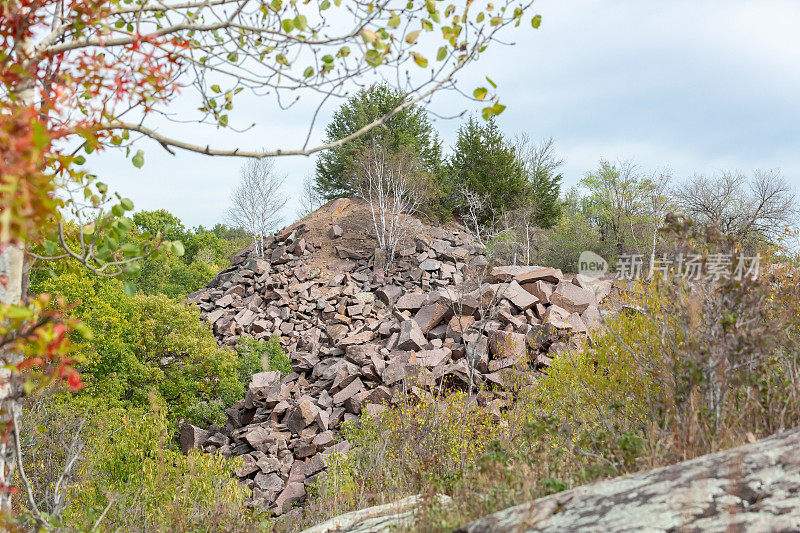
[751, 488]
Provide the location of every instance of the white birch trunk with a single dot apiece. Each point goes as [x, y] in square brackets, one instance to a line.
[12, 269]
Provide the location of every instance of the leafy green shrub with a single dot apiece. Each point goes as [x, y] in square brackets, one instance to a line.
[561, 246]
[406, 449]
[129, 470]
[255, 355]
[145, 343]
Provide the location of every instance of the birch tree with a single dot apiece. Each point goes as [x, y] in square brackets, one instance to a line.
[393, 184]
[258, 200]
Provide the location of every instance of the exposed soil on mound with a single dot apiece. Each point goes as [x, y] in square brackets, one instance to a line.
[354, 216]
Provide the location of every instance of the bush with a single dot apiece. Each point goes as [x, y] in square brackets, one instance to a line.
[574, 233]
[405, 450]
[255, 356]
[143, 343]
[129, 470]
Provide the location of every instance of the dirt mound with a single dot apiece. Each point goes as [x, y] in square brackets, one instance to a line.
[354, 217]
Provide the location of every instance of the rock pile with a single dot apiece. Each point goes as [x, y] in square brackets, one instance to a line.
[360, 339]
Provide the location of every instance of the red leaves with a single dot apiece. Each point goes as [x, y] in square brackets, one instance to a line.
[65, 94]
[41, 334]
[72, 377]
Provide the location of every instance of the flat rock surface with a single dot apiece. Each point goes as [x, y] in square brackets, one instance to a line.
[751, 488]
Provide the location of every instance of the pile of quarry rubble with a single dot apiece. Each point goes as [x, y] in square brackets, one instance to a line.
[362, 338]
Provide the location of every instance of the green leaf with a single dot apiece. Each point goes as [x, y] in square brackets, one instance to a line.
[300, 22]
[288, 25]
[480, 93]
[127, 204]
[50, 247]
[308, 72]
[373, 57]
[79, 160]
[498, 108]
[130, 249]
[216, 88]
[480, 17]
[536, 21]
[394, 21]
[441, 54]
[419, 59]
[324, 5]
[130, 288]
[177, 248]
[411, 38]
[138, 159]
[132, 269]
[493, 84]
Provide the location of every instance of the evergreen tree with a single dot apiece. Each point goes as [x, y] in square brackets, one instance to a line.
[545, 188]
[486, 165]
[409, 129]
[541, 167]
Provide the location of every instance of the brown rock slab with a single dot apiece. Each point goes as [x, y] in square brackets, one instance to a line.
[429, 316]
[411, 336]
[192, 437]
[505, 344]
[552, 275]
[572, 298]
[519, 297]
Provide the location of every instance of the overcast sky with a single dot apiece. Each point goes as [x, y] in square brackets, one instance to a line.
[696, 86]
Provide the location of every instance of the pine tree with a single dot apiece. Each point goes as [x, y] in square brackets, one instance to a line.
[486, 165]
[541, 166]
[545, 188]
[408, 130]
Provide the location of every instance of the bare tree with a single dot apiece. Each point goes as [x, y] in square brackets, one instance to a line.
[393, 184]
[258, 200]
[310, 198]
[537, 156]
[753, 210]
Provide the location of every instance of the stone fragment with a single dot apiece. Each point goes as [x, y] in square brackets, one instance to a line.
[389, 294]
[518, 296]
[429, 316]
[601, 288]
[551, 275]
[411, 336]
[411, 301]
[268, 482]
[557, 317]
[571, 297]
[540, 289]
[335, 232]
[192, 437]
[293, 493]
[301, 416]
[430, 265]
[505, 344]
[352, 389]
[576, 322]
